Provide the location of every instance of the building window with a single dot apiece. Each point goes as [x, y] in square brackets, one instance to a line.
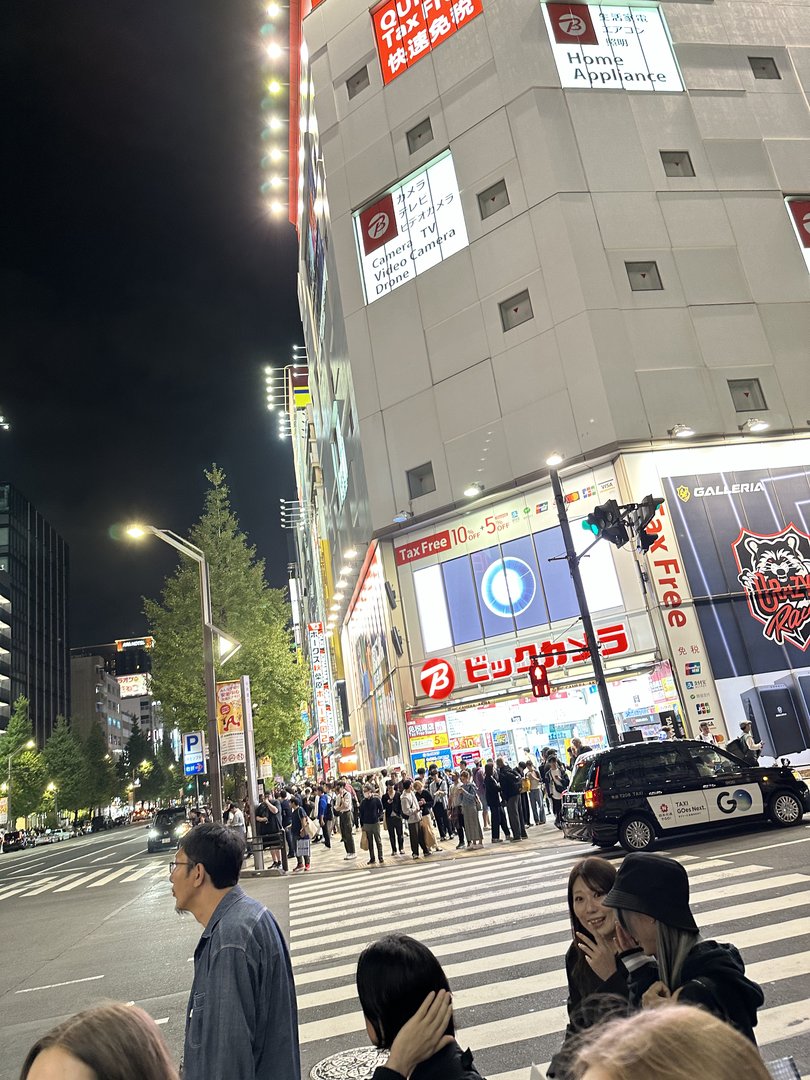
[358, 82]
[492, 200]
[764, 67]
[677, 163]
[420, 135]
[516, 310]
[643, 276]
[421, 480]
[747, 395]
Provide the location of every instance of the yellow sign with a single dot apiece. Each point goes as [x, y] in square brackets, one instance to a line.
[230, 722]
[439, 741]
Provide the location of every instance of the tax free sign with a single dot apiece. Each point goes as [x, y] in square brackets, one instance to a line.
[409, 228]
[612, 47]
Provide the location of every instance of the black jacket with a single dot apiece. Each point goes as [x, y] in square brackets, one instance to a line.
[451, 1063]
[371, 810]
[510, 782]
[713, 977]
[493, 790]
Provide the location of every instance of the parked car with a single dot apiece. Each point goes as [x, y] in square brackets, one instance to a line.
[637, 793]
[169, 826]
[16, 840]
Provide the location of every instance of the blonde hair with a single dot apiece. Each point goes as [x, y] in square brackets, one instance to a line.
[671, 1042]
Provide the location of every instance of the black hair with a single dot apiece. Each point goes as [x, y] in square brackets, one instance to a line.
[218, 849]
[489, 769]
[394, 976]
[599, 876]
[406, 783]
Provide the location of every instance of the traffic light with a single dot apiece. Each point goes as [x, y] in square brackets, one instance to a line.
[606, 522]
[645, 512]
[539, 679]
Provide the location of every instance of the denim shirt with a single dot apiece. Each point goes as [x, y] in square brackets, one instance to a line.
[242, 1018]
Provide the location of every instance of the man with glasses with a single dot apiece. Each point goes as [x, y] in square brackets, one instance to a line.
[242, 1019]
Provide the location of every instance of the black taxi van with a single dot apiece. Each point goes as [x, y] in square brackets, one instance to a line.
[637, 793]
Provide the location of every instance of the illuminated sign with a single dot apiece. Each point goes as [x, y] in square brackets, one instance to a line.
[612, 47]
[134, 643]
[799, 209]
[133, 685]
[407, 30]
[411, 227]
[321, 682]
[230, 722]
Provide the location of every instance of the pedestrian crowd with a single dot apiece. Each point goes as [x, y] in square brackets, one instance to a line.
[649, 998]
[433, 806]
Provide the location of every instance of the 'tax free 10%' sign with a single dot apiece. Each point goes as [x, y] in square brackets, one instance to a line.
[410, 228]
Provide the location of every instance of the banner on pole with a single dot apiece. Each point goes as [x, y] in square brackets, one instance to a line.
[230, 722]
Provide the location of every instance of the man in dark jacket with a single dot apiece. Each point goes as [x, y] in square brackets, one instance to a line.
[510, 782]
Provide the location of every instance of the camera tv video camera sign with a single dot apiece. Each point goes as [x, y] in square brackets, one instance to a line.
[409, 228]
[612, 47]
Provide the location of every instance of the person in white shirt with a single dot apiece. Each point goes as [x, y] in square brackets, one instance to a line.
[705, 734]
[236, 820]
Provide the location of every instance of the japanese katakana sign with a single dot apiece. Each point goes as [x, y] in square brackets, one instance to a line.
[407, 30]
[410, 228]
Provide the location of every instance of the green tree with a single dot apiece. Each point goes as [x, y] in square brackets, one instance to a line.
[28, 778]
[66, 767]
[244, 606]
[101, 780]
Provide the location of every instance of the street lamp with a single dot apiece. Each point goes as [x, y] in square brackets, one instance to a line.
[136, 532]
[55, 792]
[25, 746]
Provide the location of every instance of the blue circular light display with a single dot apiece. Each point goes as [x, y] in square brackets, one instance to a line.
[744, 800]
[508, 587]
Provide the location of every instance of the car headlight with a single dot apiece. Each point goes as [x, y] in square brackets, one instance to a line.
[181, 830]
[152, 834]
[797, 775]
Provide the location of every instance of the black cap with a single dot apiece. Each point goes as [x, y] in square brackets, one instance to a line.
[653, 885]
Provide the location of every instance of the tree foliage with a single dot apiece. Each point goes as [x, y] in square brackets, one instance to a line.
[28, 774]
[66, 766]
[101, 780]
[244, 606]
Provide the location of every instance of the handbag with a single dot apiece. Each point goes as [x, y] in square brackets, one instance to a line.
[364, 841]
[307, 826]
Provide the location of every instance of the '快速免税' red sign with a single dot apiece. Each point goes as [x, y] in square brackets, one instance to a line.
[407, 30]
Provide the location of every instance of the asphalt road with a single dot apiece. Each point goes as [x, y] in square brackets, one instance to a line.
[92, 919]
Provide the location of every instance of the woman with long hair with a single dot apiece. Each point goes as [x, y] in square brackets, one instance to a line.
[405, 998]
[678, 1042]
[590, 962]
[662, 950]
[470, 806]
[108, 1042]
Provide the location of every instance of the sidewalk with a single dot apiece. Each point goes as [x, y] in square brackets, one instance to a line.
[332, 860]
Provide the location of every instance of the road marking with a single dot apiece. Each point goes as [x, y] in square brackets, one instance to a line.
[163, 1020]
[101, 858]
[49, 884]
[138, 874]
[110, 877]
[768, 847]
[80, 881]
[52, 986]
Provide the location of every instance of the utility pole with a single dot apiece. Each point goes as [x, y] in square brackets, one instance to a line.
[582, 601]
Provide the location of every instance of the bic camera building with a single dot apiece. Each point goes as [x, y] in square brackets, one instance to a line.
[529, 228]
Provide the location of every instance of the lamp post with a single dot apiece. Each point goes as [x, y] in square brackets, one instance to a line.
[195, 553]
[25, 746]
[55, 792]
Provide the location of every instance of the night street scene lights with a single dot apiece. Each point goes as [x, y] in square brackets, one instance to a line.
[30, 745]
[137, 532]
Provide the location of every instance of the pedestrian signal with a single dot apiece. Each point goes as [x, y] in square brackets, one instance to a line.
[539, 680]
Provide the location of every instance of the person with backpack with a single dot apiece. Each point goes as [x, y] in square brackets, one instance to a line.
[343, 809]
[511, 784]
[437, 788]
[409, 802]
[300, 831]
[325, 816]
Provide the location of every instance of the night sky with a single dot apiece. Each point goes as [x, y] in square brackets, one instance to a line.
[142, 285]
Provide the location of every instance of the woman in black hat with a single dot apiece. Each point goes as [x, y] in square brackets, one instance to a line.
[663, 952]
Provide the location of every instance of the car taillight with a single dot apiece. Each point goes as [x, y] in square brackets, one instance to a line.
[593, 797]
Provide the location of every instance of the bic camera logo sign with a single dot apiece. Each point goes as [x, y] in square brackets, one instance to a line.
[775, 574]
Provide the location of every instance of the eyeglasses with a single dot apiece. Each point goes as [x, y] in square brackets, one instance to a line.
[174, 864]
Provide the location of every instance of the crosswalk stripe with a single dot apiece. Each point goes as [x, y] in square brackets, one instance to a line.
[14, 891]
[494, 893]
[512, 898]
[377, 925]
[80, 881]
[42, 887]
[110, 877]
[144, 870]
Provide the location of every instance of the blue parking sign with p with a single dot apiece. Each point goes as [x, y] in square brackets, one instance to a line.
[193, 753]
